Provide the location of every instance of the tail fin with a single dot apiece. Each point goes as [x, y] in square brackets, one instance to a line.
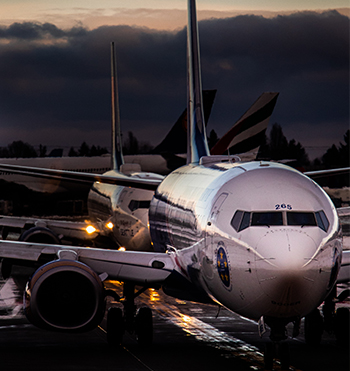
[197, 145]
[176, 140]
[117, 151]
[247, 134]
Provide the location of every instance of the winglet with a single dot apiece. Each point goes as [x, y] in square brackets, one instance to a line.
[117, 152]
[197, 145]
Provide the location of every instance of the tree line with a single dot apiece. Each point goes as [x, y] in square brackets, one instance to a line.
[275, 147]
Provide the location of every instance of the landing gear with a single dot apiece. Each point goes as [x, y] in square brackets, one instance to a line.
[144, 326]
[119, 321]
[115, 326]
[278, 347]
[313, 328]
[274, 350]
[341, 326]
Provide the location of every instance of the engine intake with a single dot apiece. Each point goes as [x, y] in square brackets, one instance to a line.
[65, 295]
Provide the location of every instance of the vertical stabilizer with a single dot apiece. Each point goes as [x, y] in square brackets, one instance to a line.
[117, 152]
[197, 145]
[248, 133]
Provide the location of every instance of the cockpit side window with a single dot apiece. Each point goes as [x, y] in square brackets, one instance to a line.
[139, 204]
[301, 218]
[267, 218]
[322, 220]
[236, 220]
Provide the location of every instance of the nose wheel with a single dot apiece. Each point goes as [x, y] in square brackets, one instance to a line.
[277, 348]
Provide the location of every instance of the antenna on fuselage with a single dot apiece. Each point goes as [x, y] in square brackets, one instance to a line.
[197, 144]
[117, 150]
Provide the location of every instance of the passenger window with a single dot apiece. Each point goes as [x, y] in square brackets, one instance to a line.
[267, 218]
[322, 220]
[236, 220]
[137, 204]
[245, 221]
[301, 218]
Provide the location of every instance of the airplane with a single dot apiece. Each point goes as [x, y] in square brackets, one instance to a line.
[259, 238]
[118, 214]
[160, 161]
[165, 157]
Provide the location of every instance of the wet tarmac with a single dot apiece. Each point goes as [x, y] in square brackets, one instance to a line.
[187, 336]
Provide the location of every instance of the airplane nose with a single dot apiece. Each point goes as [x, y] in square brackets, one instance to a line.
[287, 249]
[286, 270]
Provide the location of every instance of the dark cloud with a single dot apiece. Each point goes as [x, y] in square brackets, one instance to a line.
[59, 79]
[35, 31]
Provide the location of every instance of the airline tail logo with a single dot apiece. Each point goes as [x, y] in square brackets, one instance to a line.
[248, 132]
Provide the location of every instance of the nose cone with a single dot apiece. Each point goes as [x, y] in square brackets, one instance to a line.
[286, 271]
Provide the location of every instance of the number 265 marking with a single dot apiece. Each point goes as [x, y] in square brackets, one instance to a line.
[283, 206]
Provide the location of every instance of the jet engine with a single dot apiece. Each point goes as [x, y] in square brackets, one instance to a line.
[40, 235]
[65, 295]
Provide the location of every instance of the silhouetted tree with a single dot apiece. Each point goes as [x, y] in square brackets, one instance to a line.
[84, 150]
[72, 152]
[18, 149]
[337, 157]
[132, 144]
[277, 147]
[42, 151]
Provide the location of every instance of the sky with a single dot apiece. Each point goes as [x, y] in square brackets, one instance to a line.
[55, 67]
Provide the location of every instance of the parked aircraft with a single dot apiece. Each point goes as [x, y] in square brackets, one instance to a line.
[121, 213]
[259, 238]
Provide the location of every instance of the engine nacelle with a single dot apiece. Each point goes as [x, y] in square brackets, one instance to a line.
[40, 235]
[65, 295]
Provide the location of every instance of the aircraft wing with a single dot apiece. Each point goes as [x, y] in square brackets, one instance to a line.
[330, 172]
[70, 229]
[139, 267]
[117, 179]
[343, 211]
[344, 273]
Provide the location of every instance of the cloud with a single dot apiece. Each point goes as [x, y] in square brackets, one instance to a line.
[59, 78]
[37, 31]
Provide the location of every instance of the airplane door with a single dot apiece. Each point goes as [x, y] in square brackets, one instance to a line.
[216, 208]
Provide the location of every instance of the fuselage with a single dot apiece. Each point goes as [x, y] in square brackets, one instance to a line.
[264, 239]
[122, 212]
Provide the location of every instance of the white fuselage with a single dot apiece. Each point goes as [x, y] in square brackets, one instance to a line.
[126, 208]
[262, 239]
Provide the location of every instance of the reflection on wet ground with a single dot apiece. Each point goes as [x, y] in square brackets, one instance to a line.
[187, 336]
[192, 329]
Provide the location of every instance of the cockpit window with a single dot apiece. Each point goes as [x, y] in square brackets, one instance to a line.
[243, 219]
[301, 218]
[267, 218]
[322, 220]
[138, 204]
[236, 220]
